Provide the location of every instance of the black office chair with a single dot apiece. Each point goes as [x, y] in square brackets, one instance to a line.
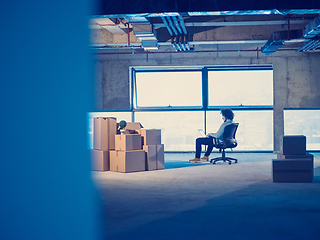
[229, 141]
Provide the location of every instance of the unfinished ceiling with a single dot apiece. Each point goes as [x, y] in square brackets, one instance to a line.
[263, 30]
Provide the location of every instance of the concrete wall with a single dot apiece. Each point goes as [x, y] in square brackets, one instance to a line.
[296, 77]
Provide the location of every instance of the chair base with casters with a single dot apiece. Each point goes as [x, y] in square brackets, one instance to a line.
[223, 158]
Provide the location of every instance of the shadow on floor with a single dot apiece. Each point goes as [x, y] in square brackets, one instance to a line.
[263, 211]
[182, 164]
[182, 160]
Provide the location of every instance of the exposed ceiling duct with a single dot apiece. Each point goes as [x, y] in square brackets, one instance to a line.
[178, 32]
[312, 29]
[210, 30]
[146, 34]
[278, 38]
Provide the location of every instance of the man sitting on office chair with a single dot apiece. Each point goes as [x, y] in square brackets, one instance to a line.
[212, 138]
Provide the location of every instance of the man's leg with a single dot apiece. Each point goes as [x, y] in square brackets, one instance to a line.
[199, 142]
[203, 141]
[210, 147]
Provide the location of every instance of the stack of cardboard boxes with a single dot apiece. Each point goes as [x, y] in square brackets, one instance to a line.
[104, 131]
[134, 150]
[154, 150]
[293, 164]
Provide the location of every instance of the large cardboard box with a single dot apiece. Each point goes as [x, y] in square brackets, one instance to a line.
[292, 170]
[104, 130]
[100, 160]
[293, 145]
[150, 136]
[154, 156]
[151, 157]
[160, 156]
[127, 142]
[133, 126]
[127, 161]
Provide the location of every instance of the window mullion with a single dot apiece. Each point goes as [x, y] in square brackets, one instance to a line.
[205, 88]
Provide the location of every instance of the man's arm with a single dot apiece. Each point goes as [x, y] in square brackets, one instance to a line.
[220, 131]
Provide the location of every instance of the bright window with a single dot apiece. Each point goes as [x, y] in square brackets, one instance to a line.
[304, 122]
[255, 131]
[240, 88]
[181, 100]
[179, 129]
[168, 89]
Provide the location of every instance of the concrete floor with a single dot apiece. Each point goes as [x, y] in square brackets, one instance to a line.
[205, 201]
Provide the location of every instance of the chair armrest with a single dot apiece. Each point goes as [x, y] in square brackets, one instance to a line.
[215, 141]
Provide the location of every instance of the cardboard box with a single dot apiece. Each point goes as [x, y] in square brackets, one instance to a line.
[150, 136]
[127, 161]
[308, 156]
[104, 130]
[133, 126]
[293, 145]
[127, 142]
[154, 157]
[160, 156]
[292, 170]
[100, 160]
[151, 157]
[292, 177]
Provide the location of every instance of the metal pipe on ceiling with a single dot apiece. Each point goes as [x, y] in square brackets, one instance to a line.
[167, 25]
[177, 24]
[186, 45]
[174, 46]
[178, 47]
[181, 46]
[316, 46]
[305, 46]
[182, 25]
[229, 24]
[312, 45]
[172, 26]
[185, 39]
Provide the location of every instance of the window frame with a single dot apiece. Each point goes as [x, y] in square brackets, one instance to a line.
[205, 85]
[205, 101]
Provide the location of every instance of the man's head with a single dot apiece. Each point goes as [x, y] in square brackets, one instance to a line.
[227, 114]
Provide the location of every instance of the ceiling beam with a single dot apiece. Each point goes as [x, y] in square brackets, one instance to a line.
[247, 23]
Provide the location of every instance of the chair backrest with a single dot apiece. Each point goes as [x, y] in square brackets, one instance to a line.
[229, 136]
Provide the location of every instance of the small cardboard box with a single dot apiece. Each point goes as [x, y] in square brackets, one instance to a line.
[150, 136]
[292, 170]
[127, 142]
[104, 130]
[127, 161]
[133, 126]
[100, 160]
[308, 156]
[293, 145]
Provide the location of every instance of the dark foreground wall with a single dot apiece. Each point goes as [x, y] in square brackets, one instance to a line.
[45, 94]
